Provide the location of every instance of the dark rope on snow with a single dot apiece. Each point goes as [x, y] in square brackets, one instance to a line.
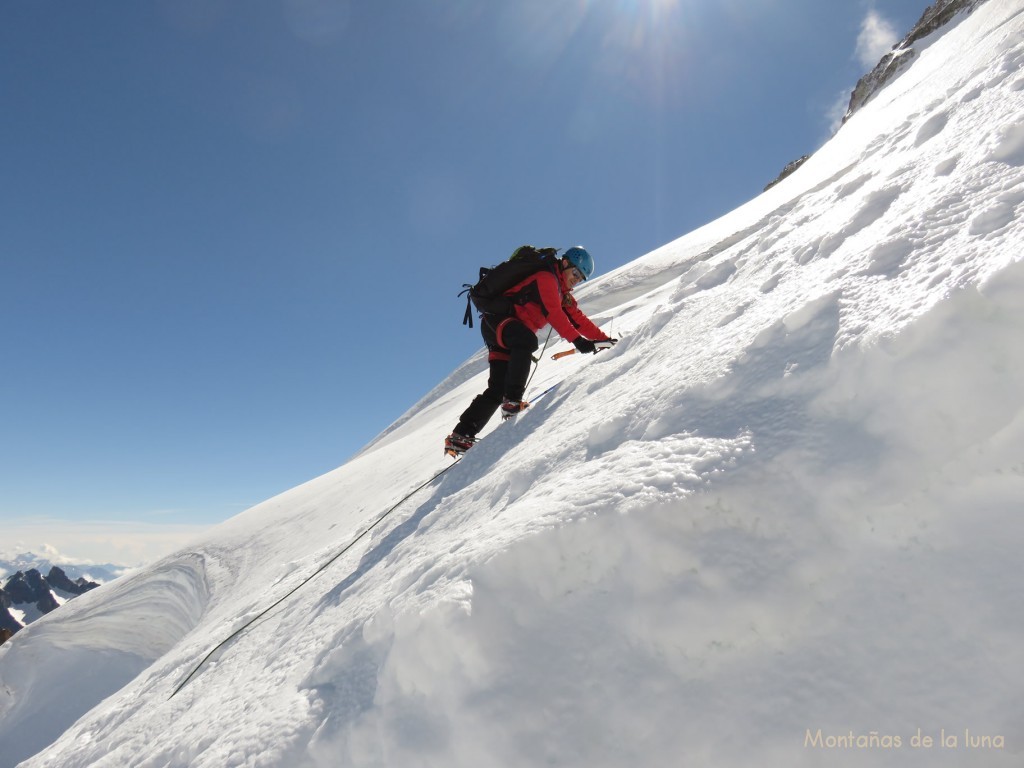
[308, 579]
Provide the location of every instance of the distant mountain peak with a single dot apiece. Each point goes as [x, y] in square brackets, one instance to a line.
[27, 595]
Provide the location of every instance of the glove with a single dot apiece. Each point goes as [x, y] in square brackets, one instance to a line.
[585, 345]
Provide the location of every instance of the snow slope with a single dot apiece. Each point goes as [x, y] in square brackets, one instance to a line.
[778, 524]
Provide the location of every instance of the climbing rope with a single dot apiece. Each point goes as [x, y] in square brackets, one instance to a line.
[308, 579]
[536, 361]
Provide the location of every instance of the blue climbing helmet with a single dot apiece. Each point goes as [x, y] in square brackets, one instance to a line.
[579, 258]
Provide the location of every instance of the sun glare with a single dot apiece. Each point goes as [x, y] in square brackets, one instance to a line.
[637, 50]
[651, 11]
[644, 43]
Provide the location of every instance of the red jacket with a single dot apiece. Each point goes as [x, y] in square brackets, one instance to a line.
[557, 306]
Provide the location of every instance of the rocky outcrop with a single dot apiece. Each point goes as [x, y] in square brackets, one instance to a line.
[787, 171]
[7, 622]
[896, 61]
[903, 54]
[31, 588]
[57, 579]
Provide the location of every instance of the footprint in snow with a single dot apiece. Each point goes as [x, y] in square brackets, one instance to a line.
[875, 206]
[1013, 61]
[897, 136]
[932, 127]
[735, 314]
[711, 278]
[849, 188]
[971, 95]
[1009, 146]
[771, 283]
[717, 275]
[820, 248]
[947, 166]
[992, 220]
[888, 258]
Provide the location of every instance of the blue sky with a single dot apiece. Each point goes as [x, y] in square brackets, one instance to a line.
[232, 233]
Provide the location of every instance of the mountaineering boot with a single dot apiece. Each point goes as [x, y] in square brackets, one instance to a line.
[455, 444]
[511, 408]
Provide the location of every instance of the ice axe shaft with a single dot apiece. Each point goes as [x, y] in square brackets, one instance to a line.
[598, 346]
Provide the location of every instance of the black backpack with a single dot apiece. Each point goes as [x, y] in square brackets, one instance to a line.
[488, 295]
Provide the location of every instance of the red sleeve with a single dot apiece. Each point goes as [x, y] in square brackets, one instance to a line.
[565, 317]
[551, 299]
[584, 323]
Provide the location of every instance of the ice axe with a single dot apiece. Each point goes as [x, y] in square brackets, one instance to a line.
[598, 346]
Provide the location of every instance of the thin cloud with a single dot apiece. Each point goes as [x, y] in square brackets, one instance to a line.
[877, 37]
[837, 112]
[89, 542]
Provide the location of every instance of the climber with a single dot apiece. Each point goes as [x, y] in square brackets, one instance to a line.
[511, 338]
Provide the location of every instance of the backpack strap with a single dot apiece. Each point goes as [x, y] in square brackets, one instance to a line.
[467, 319]
[467, 289]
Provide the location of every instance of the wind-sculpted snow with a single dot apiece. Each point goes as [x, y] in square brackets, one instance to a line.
[102, 640]
[777, 524]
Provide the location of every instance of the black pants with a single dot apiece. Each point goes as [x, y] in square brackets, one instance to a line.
[510, 356]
